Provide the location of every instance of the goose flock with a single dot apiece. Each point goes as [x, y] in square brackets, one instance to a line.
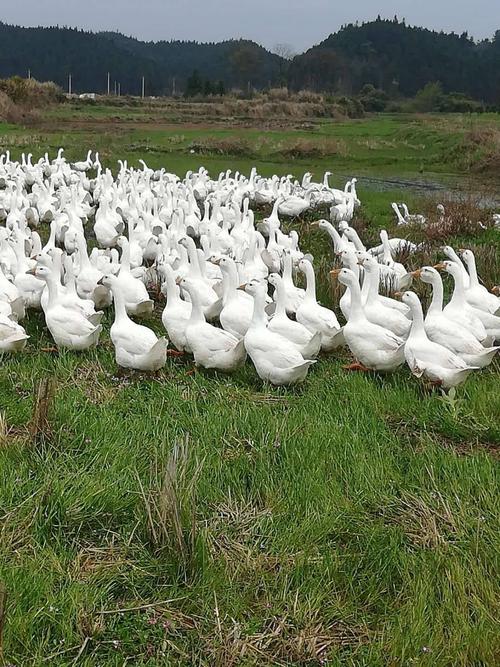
[230, 282]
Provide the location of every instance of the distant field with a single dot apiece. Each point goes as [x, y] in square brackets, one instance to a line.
[352, 521]
[424, 146]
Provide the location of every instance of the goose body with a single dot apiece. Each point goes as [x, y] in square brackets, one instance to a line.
[12, 335]
[237, 305]
[375, 308]
[449, 333]
[317, 318]
[136, 346]
[476, 294]
[425, 357]
[211, 347]
[459, 310]
[176, 313]
[375, 347]
[276, 360]
[69, 328]
[297, 334]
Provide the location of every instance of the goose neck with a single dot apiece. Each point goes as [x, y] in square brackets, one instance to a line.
[310, 284]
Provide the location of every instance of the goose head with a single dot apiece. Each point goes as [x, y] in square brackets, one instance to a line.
[274, 279]
[427, 274]
[411, 300]
[450, 267]
[108, 280]
[304, 265]
[344, 276]
[254, 287]
[40, 272]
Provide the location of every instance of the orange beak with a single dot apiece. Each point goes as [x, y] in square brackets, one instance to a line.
[335, 272]
[440, 266]
[416, 274]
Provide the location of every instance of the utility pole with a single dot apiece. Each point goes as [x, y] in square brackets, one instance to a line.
[116, 89]
[70, 84]
[173, 87]
[119, 89]
[143, 87]
[109, 81]
[29, 74]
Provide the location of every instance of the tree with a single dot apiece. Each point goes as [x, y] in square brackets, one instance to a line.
[285, 51]
[429, 97]
[194, 85]
[373, 99]
[245, 61]
[286, 54]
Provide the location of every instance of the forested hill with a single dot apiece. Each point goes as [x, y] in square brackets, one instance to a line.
[387, 54]
[54, 53]
[400, 60]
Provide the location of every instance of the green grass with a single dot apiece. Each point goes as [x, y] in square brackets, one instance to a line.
[350, 521]
[433, 147]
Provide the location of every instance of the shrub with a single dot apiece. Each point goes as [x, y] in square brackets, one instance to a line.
[373, 99]
[235, 146]
[30, 92]
[352, 107]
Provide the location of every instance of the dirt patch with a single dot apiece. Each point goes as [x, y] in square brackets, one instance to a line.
[91, 380]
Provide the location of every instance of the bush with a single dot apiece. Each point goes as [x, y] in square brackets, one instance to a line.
[429, 97]
[30, 92]
[235, 146]
[351, 106]
[459, 103]
[308, 149]
[373, 99]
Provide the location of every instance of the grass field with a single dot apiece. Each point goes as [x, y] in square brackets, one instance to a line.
[210, 520]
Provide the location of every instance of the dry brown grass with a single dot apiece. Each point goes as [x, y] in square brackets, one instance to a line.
[93, 561]
[234, 531]
[281, 640]
[427, 520]
[236, 146]
[311, 149]
[11, 112]
[90, 379]
[484, 143]
[40, 427]
[170, 505]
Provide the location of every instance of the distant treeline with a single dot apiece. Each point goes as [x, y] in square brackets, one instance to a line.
[386, 55]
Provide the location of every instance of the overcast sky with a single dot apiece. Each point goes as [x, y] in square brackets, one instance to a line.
[300, 23]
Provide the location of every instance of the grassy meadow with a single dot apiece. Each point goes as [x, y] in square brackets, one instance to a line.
[200, 519]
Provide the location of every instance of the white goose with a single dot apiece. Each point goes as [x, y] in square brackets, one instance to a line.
[237, 305]
[484, 326]
[293, 295]
[424, 357]
[68, 327]
[476, 294]
[136, 346]
[211, 347]
[177, 312]
[450, 333]
[12, 335]
[374, 307]
[317, 318]
[307, 343]
[374, 347]
[276, 360]
[11, 295]
[135, 294]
